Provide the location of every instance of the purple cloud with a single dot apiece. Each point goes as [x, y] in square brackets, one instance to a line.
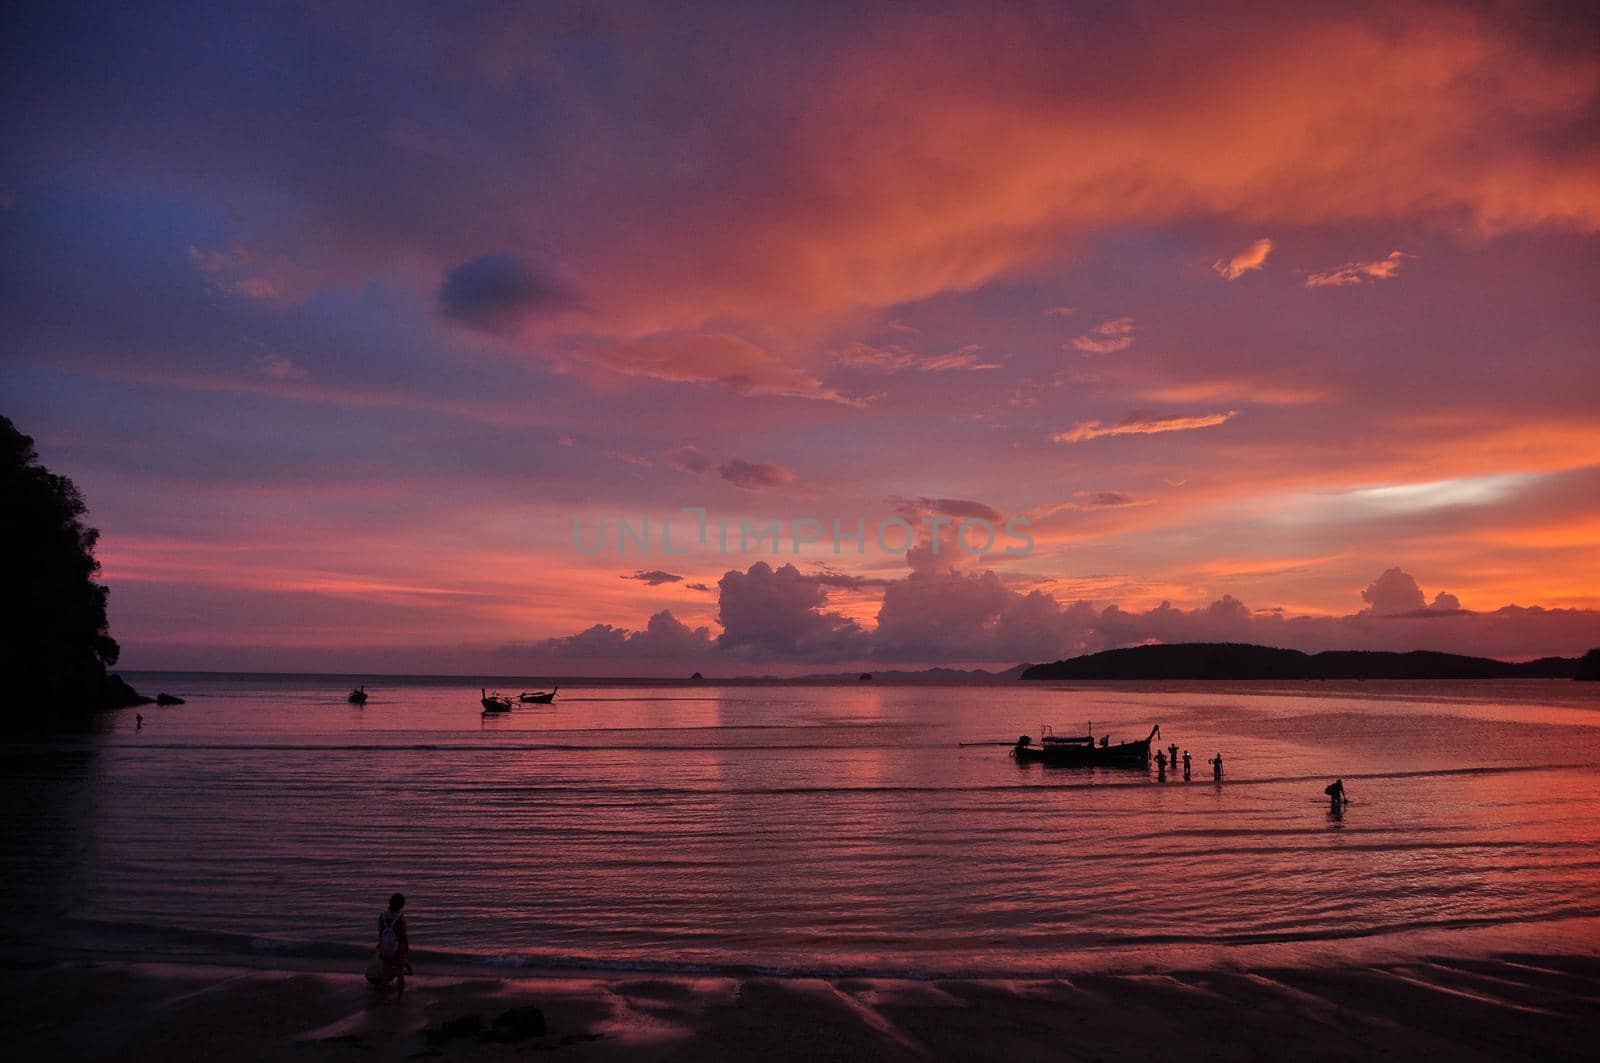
[499, 293]
[754, 475]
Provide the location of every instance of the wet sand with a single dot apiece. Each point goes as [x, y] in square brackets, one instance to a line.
[1505, 1007]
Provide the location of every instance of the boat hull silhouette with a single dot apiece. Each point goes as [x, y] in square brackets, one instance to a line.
[1084, 753]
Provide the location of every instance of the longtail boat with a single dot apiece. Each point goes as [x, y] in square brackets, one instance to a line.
[1083, 751]
[494, 702]
[543, 697]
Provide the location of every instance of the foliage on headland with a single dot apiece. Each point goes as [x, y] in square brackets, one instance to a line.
[55, 646]
[1589, 666]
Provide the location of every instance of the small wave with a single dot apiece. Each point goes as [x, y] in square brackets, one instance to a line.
[171, 942]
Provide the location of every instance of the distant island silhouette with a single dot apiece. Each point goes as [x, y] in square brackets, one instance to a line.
[1237, 660]
[55, 648]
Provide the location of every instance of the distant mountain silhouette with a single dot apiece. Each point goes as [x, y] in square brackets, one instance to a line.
[925, 675]
[1235, 660]
[54, 643]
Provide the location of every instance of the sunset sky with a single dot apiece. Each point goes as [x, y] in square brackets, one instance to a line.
[1278, 322]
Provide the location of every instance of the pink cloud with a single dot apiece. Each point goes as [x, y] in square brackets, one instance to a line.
[754, 475]
[722, 359]
[690, 459]
[1251, 258]
[866, 358]
[1108, 337]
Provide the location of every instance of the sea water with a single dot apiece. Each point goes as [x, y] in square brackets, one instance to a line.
[830, 828]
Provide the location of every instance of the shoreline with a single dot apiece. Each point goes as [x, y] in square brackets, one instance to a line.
[94, 941]
[1510, 1005]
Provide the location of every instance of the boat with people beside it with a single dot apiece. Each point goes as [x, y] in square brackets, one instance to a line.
[494, 702]
[1084, 751]
[540, 697]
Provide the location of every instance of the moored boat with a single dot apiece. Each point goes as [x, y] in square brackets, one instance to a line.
[1084, 752]
[358, 696]
[542, 697]
[494, 702]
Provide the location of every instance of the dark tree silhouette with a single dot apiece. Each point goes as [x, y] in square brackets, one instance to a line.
[1589, 666]
[54, 644]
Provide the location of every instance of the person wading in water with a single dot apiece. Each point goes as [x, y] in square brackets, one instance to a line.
[392, 962]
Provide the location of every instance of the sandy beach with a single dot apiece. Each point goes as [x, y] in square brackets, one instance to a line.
[1509, 1006]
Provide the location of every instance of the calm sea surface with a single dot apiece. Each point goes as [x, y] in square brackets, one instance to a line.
[830, 828]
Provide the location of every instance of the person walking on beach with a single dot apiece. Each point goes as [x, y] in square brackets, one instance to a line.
[138, 721]
[1185, 765]
[1216, 767]
[393, 961]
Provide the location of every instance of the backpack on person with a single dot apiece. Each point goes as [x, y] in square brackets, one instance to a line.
[388, 939]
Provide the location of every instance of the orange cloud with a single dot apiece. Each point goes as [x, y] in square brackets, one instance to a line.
[1141, 425]
[1380, 269]
[1108, 337]
[1251, 258]
[1235, 389]
[918, 170]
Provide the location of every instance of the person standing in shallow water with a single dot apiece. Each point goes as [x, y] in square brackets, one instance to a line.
[394, 945]
[1216, 767]
[1335, 792]
[1161, 766]
[1185, 765]
[1172, 755]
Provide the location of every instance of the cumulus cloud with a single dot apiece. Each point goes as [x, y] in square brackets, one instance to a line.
[1380, 269]
[941, 615]
[664, 637]
[1108, 337]
[1393, 592]
[720, 359]
[1251, 258]
[769, 613]
[754, 475]
[1141, 424]
[499, 293]
[655, 577]
[1396, 593]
